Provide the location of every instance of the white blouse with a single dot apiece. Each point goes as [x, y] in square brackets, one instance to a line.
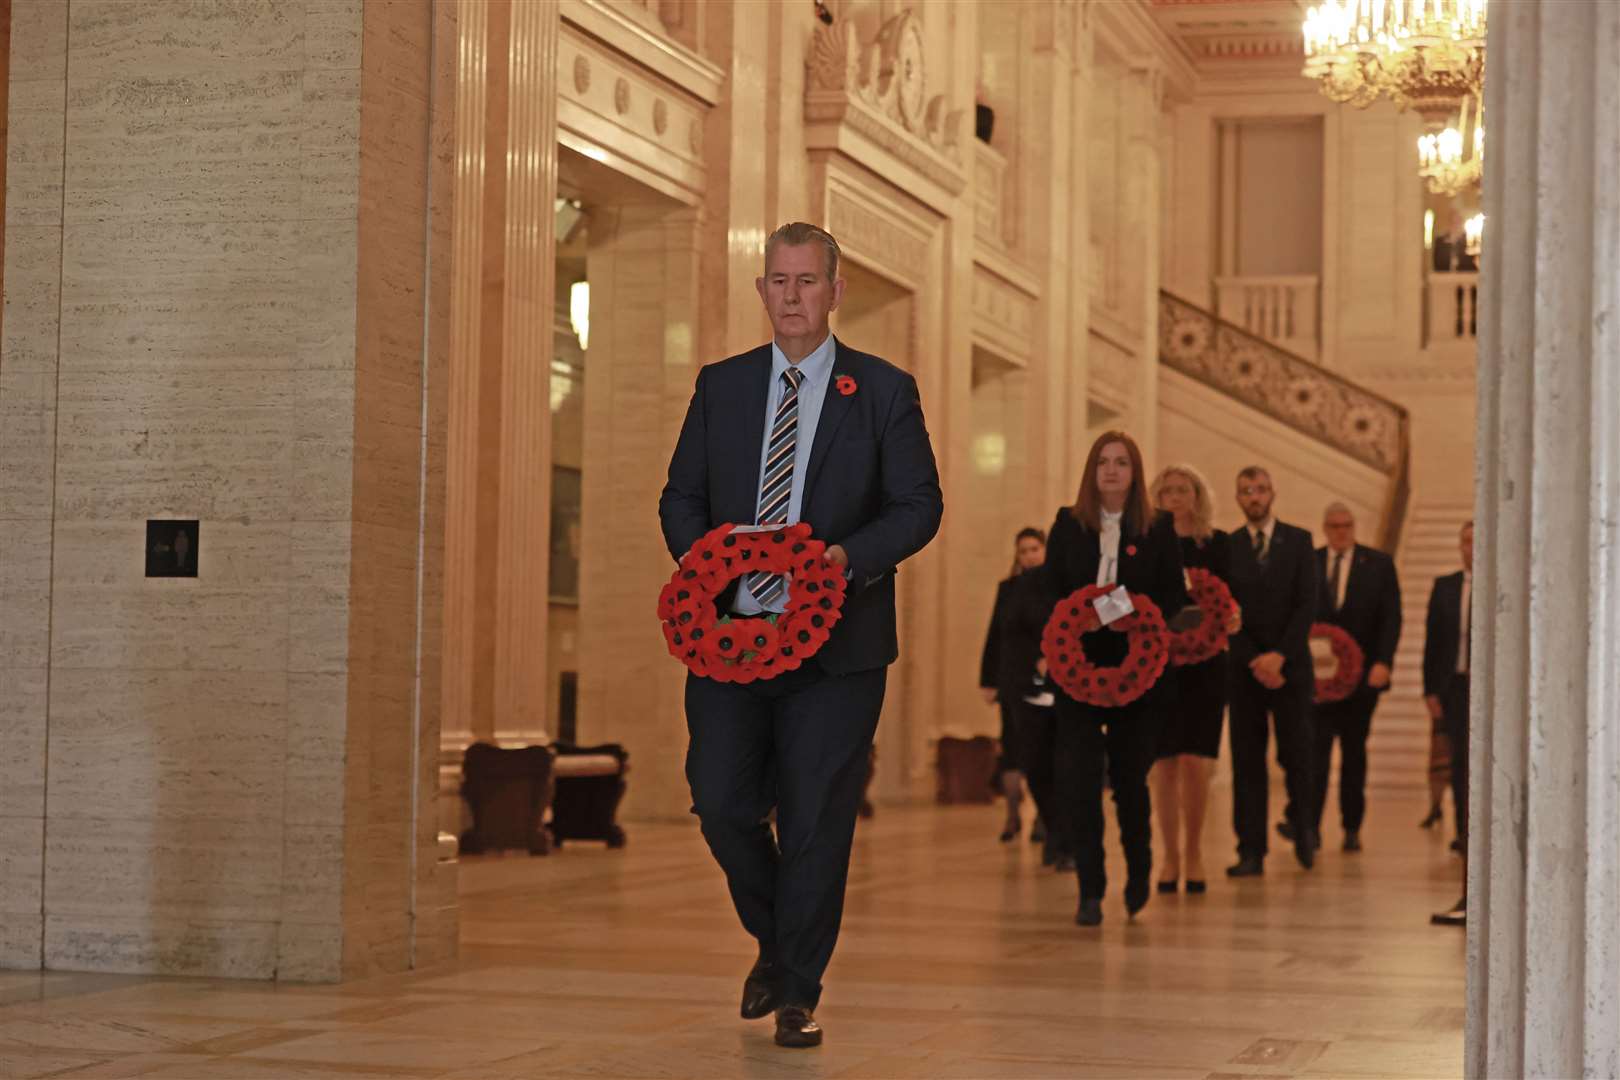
[1108, 564]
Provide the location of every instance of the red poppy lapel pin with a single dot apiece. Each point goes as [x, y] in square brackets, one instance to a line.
[845, 384]
[1130, 549]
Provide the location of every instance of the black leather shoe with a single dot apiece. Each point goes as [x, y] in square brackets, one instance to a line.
[1064, 864]
[1168, 887]
[1285, 829]
[1136, 895]
[759, 990]
[1457, 916]
[1009, 834]
[1247, 866]
[1352, 840]
[1090, 913]
[1305, 846]
[796, 1027]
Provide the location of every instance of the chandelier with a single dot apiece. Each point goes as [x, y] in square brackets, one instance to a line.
[1451, 161]
[1424, 55]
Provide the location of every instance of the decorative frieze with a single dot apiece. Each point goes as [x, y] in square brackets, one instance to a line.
[618, 106]
[878, 239]
[1003, 315]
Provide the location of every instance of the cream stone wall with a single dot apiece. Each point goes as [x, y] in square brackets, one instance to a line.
[237, 206]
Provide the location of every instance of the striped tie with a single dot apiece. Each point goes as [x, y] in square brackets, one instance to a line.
[776, 485]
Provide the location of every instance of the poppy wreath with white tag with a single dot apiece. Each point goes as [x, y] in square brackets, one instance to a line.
[1109, 687]
[742, 650]
[1348, 663]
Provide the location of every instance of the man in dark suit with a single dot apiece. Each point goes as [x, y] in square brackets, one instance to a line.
[1274, 583]
[1360, 593]
[847, 452]
[1445, 688]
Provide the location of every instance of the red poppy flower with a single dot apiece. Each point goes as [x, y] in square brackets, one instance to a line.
[1130, 549]
[845, 384]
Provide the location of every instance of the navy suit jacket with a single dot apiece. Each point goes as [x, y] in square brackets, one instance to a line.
[1372, 605]
[871, 484]
[1278, 599]
[1443, 638]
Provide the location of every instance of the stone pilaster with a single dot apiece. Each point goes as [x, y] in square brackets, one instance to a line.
[1544, 918]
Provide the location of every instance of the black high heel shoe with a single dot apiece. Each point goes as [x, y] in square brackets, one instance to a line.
[1167, 887]
[1010, 833]
[1196, 888]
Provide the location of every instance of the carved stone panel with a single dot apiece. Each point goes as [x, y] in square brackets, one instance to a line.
[878, 89]
[1003, 315]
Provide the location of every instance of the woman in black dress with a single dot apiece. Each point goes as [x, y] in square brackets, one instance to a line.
[1112, 536]
[1004, 675]
[1190, 739]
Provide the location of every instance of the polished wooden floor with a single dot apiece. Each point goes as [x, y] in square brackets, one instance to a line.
[959, 959]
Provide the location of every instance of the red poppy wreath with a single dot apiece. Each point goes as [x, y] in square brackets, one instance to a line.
[1342, 679]
[1105, 686]
[1208, 639]
[742, 650]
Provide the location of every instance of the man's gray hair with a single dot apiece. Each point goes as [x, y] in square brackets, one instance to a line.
[1338, 508]
[797, 233]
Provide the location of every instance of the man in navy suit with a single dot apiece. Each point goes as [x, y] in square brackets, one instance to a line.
[1446, 688]
[802, 429]
[1361, 593]
[1273, 568]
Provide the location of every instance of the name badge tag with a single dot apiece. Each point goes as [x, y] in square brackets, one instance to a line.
[1114, 606]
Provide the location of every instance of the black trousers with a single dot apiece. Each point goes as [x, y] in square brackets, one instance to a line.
[1290, 710]
[1039, 765]
[798, 743]
[1454, 714]
[1349, 721]
[1122, 741]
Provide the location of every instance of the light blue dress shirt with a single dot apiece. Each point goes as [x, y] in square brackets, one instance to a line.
[817, 368]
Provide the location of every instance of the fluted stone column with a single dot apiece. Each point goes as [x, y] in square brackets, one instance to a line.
[1544, 917]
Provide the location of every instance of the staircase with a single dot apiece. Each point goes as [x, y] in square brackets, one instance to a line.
[1398, 752]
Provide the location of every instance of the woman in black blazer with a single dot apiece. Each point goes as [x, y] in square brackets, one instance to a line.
[1111, 536]
[1005, 670]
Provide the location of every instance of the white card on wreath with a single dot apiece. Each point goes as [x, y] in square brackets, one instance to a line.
[756, 528]
[1113, 606]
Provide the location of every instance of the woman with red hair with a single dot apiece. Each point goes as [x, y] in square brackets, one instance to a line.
[1112, 536]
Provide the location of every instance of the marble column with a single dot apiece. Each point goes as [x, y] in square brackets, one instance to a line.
[1051, 176]
[1141, 180]
[499, 518]
[643, 266]
[1544, 877]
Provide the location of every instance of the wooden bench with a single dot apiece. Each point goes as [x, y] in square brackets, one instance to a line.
[590, 782]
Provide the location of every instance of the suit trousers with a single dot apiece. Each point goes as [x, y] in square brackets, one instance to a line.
[1123, 741]
[1454, 714]
[1290, 710]
[797, 743]
[1350, 721]
[1039, 726]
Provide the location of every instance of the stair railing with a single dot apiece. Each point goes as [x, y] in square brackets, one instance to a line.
[1294, 391]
